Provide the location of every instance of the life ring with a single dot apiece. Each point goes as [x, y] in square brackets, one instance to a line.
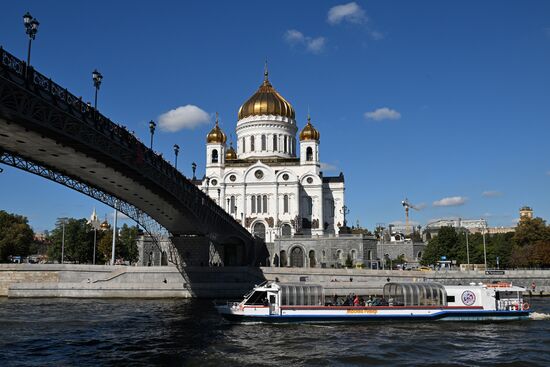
[525, 306]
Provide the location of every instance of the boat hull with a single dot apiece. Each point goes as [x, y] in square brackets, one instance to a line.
[353, 316]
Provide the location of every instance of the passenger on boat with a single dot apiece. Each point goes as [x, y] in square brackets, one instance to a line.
[356, 301]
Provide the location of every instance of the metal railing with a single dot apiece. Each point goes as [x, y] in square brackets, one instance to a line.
[120, 134]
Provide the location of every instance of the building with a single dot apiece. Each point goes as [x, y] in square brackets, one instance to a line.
[525, 212]
[271, 183]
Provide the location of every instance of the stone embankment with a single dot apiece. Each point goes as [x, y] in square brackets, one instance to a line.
[100, 281]
[89, 281]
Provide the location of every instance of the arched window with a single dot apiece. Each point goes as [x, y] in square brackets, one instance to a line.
[286, 230]
[353, 254]
[244, 145]
[232, 208]
[285, 204]
[274, 142]
[309, 154]
[215, 156]
[309, 205]
[259, 203]
[253, 204]
[285, 142]
[369, 255]
[263, 143]
[252, 143]
[265, 204]
[259, 230]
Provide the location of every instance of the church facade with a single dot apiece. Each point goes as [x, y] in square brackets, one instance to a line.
[271, 182]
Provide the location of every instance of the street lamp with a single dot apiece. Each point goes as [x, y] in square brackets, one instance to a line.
[94, 222]
[176, 151]
[152, 126]
[31, 28]
[194, 168]
[96, 77]
[114, 235]
[484, 247]
[344, 211]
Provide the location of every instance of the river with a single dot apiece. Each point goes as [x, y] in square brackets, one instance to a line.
[100, 332]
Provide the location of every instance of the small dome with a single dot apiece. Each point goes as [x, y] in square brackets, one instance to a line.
[230, 154]
[266, 101]
[104, 226]
[216, 135]
[309, 132]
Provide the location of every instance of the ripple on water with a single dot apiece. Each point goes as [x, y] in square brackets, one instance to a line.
[55, 332]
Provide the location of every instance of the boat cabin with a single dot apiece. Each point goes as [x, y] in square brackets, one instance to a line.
[497, 296]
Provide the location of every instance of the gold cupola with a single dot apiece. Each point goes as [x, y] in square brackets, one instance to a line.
[309, 132]
[266, 101]
[230, 154]
[216, 135]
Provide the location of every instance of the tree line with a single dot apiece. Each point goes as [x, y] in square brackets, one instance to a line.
[17, 239]
[528, 246]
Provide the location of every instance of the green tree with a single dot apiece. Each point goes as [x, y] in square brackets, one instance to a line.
[349, 262]
[78, 241]
[128, 243]
[16, 235]
[531, 244]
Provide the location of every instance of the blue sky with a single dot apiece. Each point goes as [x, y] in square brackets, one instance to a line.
[444, 102]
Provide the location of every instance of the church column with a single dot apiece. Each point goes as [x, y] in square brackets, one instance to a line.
[297, 201]
[223, 203]
[320, 211]
[243, 206]
[276, 205]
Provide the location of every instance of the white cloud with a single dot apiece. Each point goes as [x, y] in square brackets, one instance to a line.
[450, 201]
[183, 117]
[383, 113]
[328, 167]
[491, 194]
[350, 12]
[376, 35]
[420, 206]
[313, 45]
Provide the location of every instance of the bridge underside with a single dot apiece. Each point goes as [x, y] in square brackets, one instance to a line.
[49, 153]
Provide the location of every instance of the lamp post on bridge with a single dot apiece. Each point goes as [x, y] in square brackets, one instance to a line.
[31, 28]
[176, 152]
[96, 77]
[152, 126]
[194, 168]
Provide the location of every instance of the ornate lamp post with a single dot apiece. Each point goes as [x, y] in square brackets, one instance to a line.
[176, 152]
[194, 168]
[31, 28]
[96, 77]
[345, 211]
[152, 126]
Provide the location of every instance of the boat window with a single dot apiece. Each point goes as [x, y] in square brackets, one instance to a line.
[302, 295]
[416, 294]
[450, 299]
[257, 298]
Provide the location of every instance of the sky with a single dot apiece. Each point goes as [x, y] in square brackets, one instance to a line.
[446, 103]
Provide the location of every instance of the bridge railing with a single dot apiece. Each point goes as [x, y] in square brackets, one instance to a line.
[111, 130]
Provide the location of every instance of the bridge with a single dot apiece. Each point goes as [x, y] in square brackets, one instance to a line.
[48, 131]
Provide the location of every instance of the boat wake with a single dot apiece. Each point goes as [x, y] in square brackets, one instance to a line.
[539, 316]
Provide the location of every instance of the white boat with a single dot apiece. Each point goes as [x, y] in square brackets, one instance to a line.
[302, 302]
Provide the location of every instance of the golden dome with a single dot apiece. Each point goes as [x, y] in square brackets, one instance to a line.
[266, 101]
[309, 132]
[105, 225]
[230, 154]
[216, 135]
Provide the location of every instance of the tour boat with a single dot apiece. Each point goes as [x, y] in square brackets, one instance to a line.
[303, 302]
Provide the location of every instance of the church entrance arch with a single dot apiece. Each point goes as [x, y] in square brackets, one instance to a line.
[297, 257]
[286, 230]
[259, 230]
[312, 262]
[283, 258]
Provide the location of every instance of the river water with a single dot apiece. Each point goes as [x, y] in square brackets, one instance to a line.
[78, 332]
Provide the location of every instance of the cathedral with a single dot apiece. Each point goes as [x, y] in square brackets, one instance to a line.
[269, 182]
